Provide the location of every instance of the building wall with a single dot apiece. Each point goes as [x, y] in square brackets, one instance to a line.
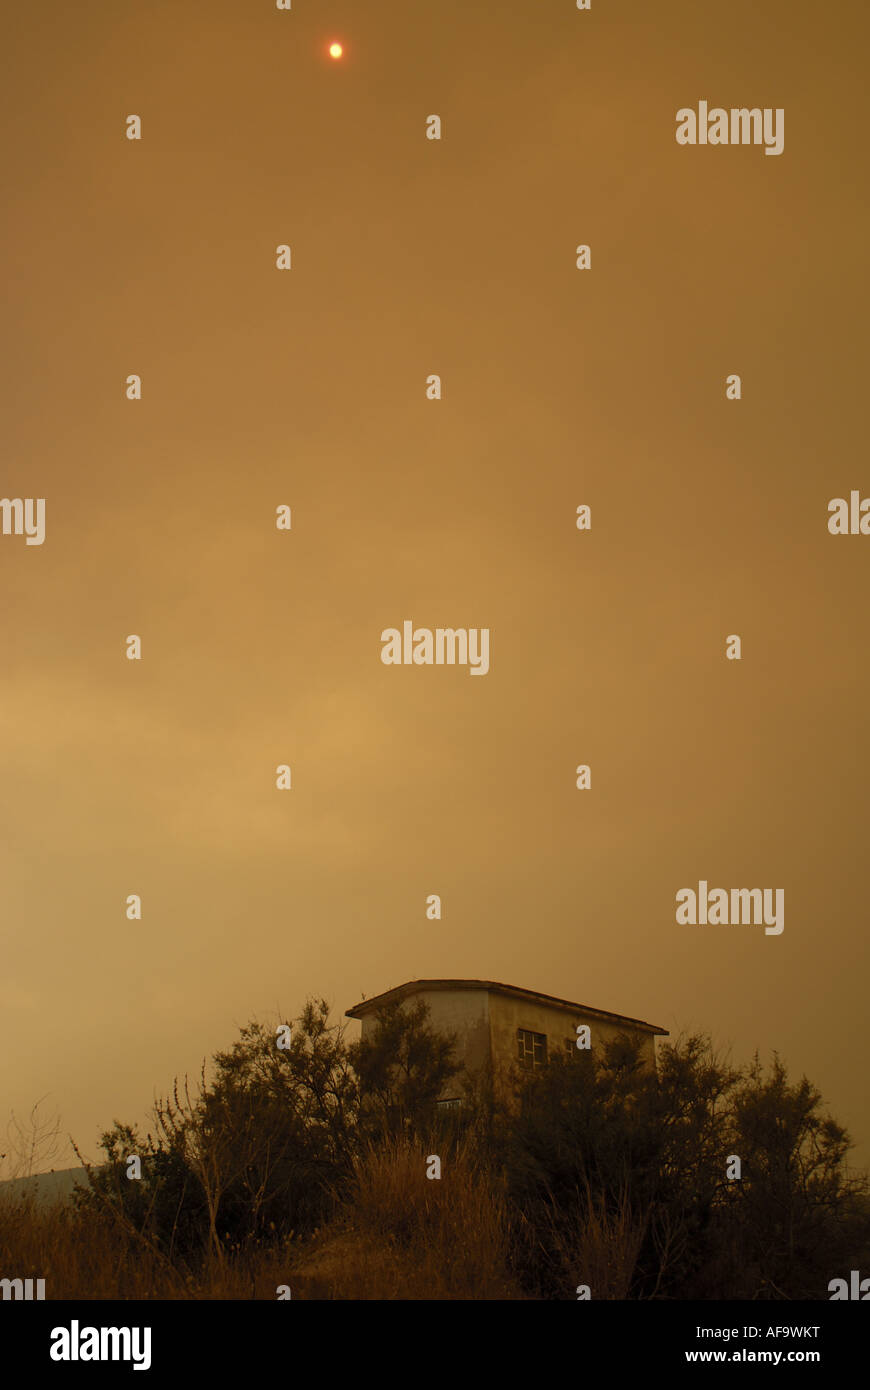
[507, 1014]
[486, 1026]
[464, 1012]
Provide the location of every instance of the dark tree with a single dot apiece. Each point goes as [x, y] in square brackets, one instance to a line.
[402, 1069]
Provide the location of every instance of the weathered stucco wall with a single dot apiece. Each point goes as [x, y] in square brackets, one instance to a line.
[507, 1014]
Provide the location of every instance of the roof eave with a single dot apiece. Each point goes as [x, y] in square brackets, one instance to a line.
[400, 992]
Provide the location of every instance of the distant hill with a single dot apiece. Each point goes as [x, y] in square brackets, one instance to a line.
[46, 1187]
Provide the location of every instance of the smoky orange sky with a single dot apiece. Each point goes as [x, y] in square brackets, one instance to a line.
[308, 388]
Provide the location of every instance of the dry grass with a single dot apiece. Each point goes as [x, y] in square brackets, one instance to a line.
[50, 1242]
[596, 1246]
[93, 1257]
[400, 1235]
[406, 1236]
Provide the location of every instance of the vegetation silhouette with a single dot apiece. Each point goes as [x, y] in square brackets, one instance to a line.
[307, 1165]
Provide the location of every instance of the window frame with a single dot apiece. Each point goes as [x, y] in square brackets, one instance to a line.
[536, 1057]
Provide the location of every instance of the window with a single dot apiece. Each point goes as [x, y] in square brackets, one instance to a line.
[571, 1048]
[531, 1049]
[452, 1104]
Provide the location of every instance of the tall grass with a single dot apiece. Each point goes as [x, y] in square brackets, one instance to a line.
[92, 1256]
[594, 1245]
[396, 1235]
[403, 1235]
[77, 1259]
